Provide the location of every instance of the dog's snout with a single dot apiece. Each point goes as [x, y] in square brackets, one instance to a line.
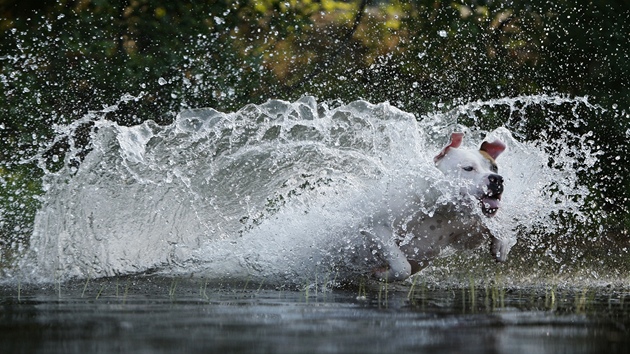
[495, 179]
[495, 184]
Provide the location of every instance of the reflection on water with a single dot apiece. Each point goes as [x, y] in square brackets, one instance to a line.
[191, 315]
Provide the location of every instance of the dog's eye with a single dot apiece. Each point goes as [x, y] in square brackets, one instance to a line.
[468, 168]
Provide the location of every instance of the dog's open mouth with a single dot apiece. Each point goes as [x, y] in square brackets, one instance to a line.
[492, 198]
[490, 204]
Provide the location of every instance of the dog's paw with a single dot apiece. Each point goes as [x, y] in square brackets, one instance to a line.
[387, 273]
[381, 273]
[500, 248]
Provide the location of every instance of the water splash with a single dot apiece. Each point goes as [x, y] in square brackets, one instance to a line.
[278, 190]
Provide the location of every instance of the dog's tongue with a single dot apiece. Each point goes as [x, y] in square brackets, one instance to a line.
[490, 205]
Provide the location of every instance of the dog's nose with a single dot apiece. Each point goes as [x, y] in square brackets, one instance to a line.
[495, 185]
[495, 179]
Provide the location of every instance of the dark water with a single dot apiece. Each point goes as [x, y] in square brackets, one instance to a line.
[149, 315]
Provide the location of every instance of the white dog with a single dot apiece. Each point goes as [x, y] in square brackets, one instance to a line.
[407, 240]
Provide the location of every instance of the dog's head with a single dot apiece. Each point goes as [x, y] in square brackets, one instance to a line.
[476, 169]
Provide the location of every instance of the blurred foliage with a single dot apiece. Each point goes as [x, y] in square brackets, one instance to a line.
[61, 59]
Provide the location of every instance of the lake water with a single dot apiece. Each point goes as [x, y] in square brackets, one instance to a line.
[158, 314]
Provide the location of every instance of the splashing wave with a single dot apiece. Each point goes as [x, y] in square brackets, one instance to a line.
[277, 190]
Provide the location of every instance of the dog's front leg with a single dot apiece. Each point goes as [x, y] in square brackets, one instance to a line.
[398, 268]
[500, 248]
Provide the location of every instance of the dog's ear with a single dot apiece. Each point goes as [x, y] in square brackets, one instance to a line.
[494, 149]
[456, 141]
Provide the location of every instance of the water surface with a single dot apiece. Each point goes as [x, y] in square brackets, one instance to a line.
[139, 314]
